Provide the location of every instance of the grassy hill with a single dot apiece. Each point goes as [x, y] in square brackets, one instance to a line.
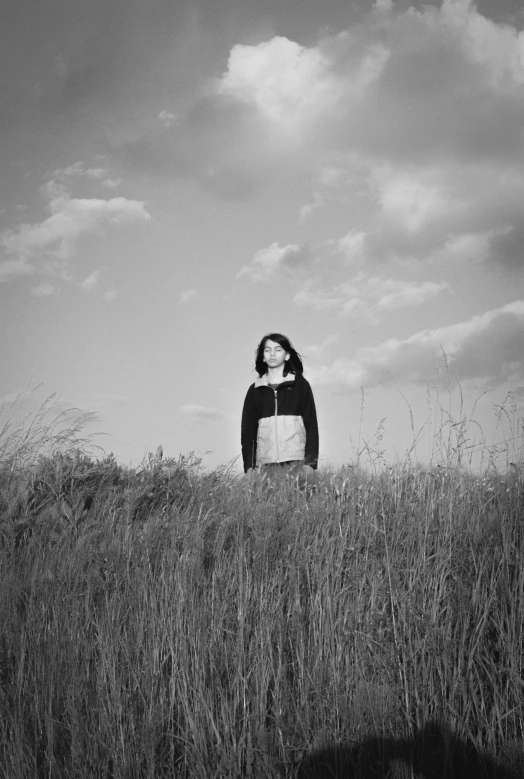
[168, 622]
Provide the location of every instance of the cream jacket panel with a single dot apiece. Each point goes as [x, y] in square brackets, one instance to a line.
[280, 438]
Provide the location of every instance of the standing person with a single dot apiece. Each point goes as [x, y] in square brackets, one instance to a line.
[279, 419]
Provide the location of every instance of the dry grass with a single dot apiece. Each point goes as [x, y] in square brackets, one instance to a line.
[184, 624]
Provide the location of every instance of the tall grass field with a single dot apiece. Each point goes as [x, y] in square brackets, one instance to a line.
[166, 621]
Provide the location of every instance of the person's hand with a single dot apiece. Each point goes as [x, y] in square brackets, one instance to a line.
[308, 470]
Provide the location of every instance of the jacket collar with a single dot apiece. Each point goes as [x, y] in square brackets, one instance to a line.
[262, 381]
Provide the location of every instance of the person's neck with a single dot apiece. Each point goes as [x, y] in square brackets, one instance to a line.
[275, 375]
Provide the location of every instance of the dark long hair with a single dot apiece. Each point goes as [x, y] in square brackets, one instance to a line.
[293, 365]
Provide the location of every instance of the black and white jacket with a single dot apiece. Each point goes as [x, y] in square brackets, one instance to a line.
[279, 425]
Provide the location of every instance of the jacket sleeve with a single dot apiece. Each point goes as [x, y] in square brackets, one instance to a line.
[309, 415]
[248, 431]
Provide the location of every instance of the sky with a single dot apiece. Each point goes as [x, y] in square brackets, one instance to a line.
[180, 178]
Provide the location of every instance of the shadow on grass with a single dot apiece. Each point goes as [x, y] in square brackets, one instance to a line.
[433, 753]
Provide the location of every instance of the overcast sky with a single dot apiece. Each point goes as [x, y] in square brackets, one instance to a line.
[179, 178]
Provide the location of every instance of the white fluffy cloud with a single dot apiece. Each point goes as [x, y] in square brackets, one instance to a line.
[189, 294]
[420, 112]
[289, 84]
[317, 350]
[81, 170]
[498, 47]
[274, 258]
[90, 282]
[367, 297]
[487, 347]
[411, 118]
[397, 294]
[43, 290]
[313, 297]
[167, 118]
[53, 242]
[12, 269]
[70, 218]
[416, 59]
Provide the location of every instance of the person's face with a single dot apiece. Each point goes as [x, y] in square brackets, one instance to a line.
[274, 354]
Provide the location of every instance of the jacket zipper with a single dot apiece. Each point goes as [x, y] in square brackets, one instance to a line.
[276, 433]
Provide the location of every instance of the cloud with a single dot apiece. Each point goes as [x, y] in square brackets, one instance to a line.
[398, 294]
[19, 396]
[203, 412]
[507, 244]
[435, 142]
[257, 121]
[315, 298]
[384, 5]
[396, 85]
[43, 290]
[90, 281]
[96, 402]
[11, 269]
[290, 85]
[366, 297]
[110, 294]
[499, 47]
[112, 183]
[486, 348]
[411, 119]
[351, 246]
[267, 262]
[55, 238]
[189, 294]
[80, 169]
[167, 118]
[213, 143]
[96, 173]
[317, 350]
[423, 212]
